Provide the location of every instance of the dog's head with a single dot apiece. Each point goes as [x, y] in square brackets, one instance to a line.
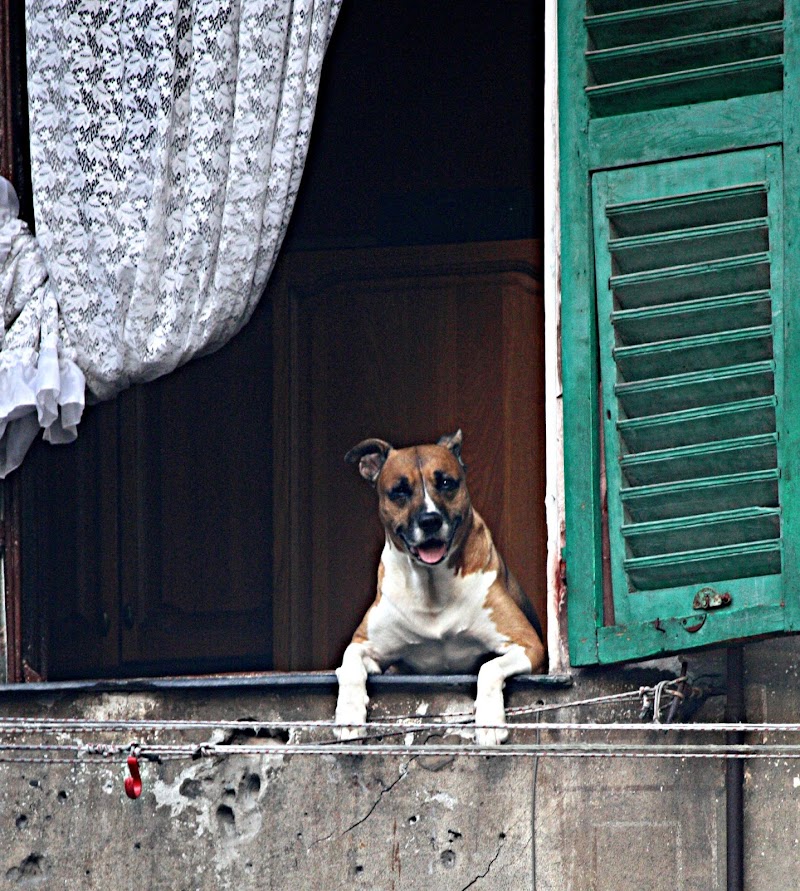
[422, 494]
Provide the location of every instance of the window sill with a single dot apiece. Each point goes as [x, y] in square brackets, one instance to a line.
[275, 682]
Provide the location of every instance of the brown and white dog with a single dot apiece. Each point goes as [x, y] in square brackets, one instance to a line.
[445, 598]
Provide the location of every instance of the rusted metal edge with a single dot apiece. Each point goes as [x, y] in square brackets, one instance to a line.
[278, 682]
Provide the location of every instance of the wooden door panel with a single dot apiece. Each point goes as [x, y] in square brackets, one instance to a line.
[208, 522]
[197, 595]
[148, 541]
[70, 555]
[409, 348]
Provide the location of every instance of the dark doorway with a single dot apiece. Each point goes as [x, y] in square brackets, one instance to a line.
[191, 527]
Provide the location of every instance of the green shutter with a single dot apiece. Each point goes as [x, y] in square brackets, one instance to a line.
[677, 337]
[644, 55]
[688, 278]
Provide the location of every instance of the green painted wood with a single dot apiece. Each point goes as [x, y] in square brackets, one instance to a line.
[640, 21]
[583, 552]
[697, 425]
[654, 56]
[691, 280]
[688, 498]
[722, 527]
[698, 568]
[693, 354]
[685, 131]
[669, 635]
[686, 87]
[709, 316]
[637, 252]
[640, 583]
[722, 303]
[727, 205]
[790, 431]
[741, 383]
[762, 594]
[748, 453]
[642, 57]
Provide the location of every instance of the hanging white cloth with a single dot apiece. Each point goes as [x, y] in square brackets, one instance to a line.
[168, 138]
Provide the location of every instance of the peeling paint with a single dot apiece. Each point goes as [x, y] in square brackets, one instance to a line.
[223, 800]
[169, 795]
[121, 706]
[444, 799]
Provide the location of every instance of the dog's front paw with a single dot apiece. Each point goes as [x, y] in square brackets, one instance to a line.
[490, 716]
[351, 710]
[346, 734]
[490, 736]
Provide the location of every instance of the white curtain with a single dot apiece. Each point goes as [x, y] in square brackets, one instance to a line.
[168, 138]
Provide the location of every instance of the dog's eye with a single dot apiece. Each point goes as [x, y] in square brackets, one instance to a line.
[400, 492]
[446, 483]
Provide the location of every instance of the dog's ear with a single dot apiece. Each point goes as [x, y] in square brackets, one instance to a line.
[371, 455]
[453, 442]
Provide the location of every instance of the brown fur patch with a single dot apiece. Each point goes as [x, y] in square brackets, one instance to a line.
[473, 549]
[511, 621]
[505, 599]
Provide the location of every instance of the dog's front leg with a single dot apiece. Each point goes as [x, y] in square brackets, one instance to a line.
[489, 707]
[351, 706]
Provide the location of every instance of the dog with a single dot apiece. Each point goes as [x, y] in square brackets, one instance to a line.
[445, 598]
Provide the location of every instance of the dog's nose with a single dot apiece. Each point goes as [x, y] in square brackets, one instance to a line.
[430, 522]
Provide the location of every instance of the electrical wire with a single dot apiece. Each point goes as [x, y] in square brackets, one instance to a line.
[280, 738]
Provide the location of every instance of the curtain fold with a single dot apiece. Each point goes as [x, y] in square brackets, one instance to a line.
[167, 144]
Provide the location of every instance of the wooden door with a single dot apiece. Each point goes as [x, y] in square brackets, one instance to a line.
[405, 344]
[70, 556]
[196, 547]
[147, 542]
[207, 521]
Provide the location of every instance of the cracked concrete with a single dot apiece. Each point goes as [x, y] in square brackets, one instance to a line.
[368, 823]
[369, 813]
[258, 822]
[491, 863]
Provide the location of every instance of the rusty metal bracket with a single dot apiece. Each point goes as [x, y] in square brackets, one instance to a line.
[707, 598]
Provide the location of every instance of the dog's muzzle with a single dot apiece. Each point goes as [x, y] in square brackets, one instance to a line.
[431, 538]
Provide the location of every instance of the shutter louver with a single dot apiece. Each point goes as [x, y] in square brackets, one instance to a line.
[689, 363]
[647, 55]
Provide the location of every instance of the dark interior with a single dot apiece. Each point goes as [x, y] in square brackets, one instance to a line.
[179, 534]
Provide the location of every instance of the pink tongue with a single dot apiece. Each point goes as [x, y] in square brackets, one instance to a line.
[432, 553]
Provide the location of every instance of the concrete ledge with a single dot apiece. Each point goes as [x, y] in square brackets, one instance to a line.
[278, 681]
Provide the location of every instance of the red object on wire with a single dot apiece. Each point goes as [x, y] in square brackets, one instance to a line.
[133, 783]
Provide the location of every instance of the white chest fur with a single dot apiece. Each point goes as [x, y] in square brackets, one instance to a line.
[432, 618]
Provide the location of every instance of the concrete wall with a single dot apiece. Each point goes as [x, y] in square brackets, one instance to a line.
[420, 822]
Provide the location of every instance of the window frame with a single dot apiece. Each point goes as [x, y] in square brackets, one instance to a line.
[14, 166]
[26, 655]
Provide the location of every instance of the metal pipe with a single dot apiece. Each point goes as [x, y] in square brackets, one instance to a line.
[734, 771]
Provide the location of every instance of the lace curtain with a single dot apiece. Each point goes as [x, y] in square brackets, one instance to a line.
[168, 138]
